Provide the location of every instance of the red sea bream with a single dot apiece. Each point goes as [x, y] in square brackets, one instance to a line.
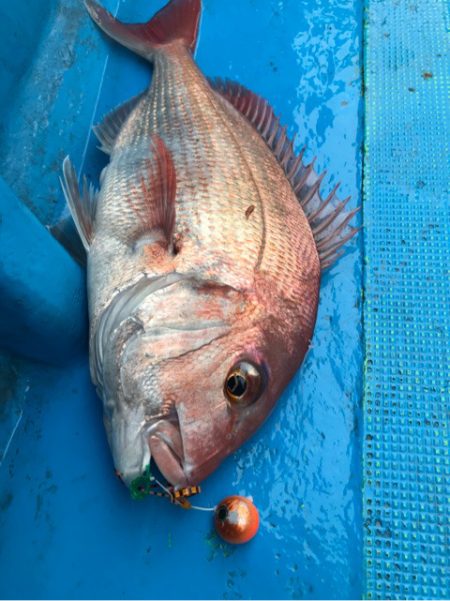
[205, 245]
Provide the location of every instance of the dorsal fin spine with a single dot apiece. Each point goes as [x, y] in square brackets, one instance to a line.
[286, 154]
[295, 165]
[302, 178]
[260, 109]
[273, 135]
[313, 190]
[280, 143]
[263, 117]
[266, 129]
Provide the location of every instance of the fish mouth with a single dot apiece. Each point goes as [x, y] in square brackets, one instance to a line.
[166, 448]
[164, 440]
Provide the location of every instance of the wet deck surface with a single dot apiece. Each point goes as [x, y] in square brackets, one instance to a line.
[68, 527]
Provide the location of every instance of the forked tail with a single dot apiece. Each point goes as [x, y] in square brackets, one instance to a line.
[178, 21]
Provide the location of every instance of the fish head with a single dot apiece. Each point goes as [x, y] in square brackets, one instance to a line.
[202, 379]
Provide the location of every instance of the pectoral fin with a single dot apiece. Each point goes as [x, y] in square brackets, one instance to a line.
[153, 197]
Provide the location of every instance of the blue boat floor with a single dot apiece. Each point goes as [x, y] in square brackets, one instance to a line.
[68, 527]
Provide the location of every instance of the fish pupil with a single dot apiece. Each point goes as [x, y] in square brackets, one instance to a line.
[237, 385]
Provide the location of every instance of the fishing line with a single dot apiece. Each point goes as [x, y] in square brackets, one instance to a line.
[166, 490]
[203, 508]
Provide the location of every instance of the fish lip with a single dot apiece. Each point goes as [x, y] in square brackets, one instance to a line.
[168, 454]
[163, 449]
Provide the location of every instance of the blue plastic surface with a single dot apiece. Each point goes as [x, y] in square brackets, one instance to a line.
[407, 307]
[42, 290]
[68, 528]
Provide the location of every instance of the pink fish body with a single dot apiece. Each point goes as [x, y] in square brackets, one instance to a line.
[205, 245]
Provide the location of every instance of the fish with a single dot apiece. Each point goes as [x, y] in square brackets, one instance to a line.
[205, 245]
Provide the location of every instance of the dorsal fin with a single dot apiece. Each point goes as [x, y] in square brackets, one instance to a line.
[329, 221]
[108, 130]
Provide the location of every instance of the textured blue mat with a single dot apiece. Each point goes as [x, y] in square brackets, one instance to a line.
[407, 300]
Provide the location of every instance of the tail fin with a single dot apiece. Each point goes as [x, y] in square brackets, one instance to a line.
[178, 20]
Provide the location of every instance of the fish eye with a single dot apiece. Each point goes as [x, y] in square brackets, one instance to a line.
[243, 384]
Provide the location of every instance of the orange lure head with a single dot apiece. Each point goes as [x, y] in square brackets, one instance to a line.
[236, 519]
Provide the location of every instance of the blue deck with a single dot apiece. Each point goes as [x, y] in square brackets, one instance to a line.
[68, 528]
